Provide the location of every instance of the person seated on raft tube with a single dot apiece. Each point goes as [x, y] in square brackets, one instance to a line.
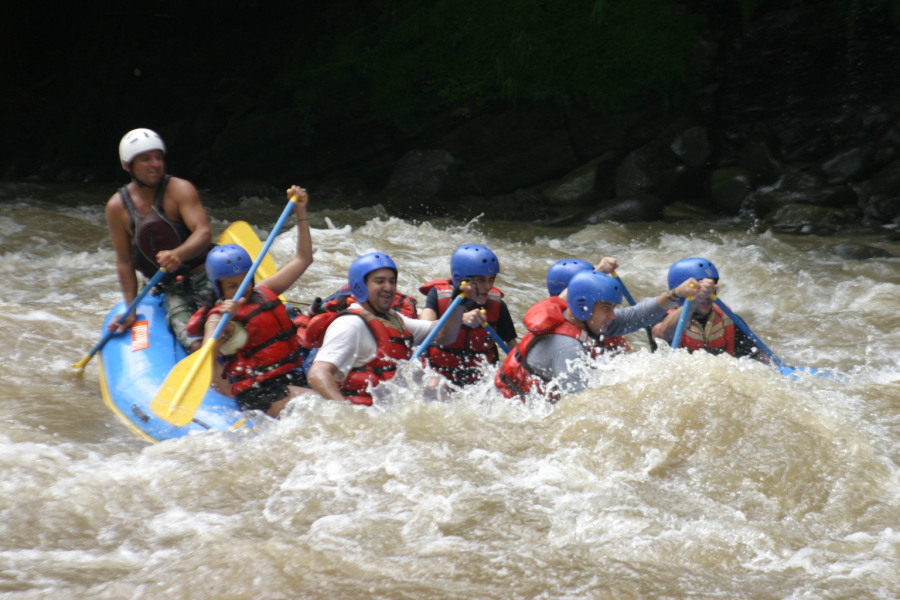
[709, 327]
[560, 273]
[360, 347]
[259, 350]
[158, 221]
[461, 360]
[562, 329]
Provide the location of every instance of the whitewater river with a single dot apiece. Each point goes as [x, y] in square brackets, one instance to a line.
[677, 476]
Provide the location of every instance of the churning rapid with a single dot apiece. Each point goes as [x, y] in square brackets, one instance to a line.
[675, 476]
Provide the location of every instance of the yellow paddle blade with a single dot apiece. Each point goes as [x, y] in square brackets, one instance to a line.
[242, 234]
[182, 392]
[83, 362]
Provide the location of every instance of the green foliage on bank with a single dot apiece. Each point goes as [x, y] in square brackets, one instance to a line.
[464, 54]
[410, 63]
[456, 57]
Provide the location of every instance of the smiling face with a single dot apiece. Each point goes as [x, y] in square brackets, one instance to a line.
[382, 286]
[148, 167]
[601, 317]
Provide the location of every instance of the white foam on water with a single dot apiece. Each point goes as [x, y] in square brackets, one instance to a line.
[676, 475]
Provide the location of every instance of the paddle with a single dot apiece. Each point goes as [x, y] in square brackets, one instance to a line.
[131, 307]
[682, 321]
[497, 339]
[631, 301]
[242, 234]
[746, 329]
[182, 392]
[434, 331]
[785, 369]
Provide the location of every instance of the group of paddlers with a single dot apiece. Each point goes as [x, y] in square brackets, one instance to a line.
[344, 347]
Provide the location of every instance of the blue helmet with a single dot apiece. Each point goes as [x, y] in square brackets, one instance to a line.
[561, 272]
[469, 260]
[698, 268]
[224, 261]
[586, 288]
[361, 268]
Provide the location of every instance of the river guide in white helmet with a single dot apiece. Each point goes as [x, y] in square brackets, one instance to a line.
[157, 221]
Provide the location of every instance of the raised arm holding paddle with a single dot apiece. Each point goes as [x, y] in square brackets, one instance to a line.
[262, 352]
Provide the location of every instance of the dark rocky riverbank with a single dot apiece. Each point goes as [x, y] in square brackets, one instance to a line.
[795, 125]
[796, 128]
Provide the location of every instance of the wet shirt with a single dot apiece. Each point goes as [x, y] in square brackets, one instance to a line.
[349, 344]
[559, 357]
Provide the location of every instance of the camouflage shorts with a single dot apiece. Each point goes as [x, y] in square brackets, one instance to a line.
[182, 302]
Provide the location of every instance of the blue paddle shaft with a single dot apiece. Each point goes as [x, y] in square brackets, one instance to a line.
[746, 329]
[625, 291]
[785, 369]
[682, 321]
[497, 339]
[440, 324]
[248, 278]
[137, 300]
[627, 294]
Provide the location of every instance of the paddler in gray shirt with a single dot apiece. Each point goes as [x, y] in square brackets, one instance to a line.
[565, 330]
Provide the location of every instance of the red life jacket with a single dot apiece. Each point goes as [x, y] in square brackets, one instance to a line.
[301, 322]
[716, 337]
[515, 377]
[403, 304]
[271, 349]
[339, 301]
[460, 360]
[616, 343]
[197, 321]
[394, 343]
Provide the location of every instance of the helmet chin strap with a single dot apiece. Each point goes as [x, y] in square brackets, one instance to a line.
[597, 337]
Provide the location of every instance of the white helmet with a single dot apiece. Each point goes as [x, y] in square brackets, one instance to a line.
[137, 141]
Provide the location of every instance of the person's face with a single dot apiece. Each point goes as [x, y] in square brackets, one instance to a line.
[382, 286]
[149, 167]
[481, 285]
[231, 284]
[601, 317]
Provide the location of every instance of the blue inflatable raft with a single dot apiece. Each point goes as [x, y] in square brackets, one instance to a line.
[134, 365]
